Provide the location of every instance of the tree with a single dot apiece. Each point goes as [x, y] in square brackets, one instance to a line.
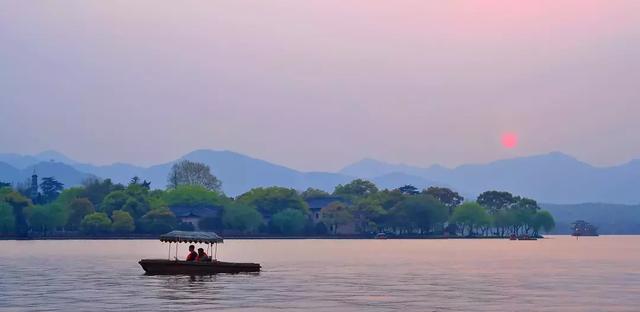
[134, 199]
[422, 212]
[122, 222]
[4, 184]
[68, 195]
[468, 216]
[335, 215]
[368, 213]
[408, 190]
[38, 217]
[193, 196]
[114, 201]
[242, 218]
[495, 200]
[543, 220]
[51, 188]
[271, 200]
[187, 172]
[95, 223]
[388, 199]
[78, 209]
[312, 193]
[355, 188]
[446, 196]
[288, 221]
[7, 219]
[19, 203]
[158, 221]
[96, 190]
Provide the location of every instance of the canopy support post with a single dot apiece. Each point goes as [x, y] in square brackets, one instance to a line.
[169, 255]
[215, 255]
[177, 244]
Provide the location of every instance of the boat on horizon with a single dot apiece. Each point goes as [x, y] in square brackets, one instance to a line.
[202, 267]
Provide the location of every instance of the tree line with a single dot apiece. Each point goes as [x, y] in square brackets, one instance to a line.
[101, 207]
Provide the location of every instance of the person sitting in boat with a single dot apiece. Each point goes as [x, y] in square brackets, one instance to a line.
[193, 255]
[202, 256]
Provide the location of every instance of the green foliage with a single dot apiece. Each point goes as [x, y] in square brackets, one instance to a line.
[242, 218]
[134, 199]
[421, 212]
[158, 221]
[156, 199]
[51, 188]
[470, 215]
[114, 201]
[7, 219]
[543, 220]
[446, 196]
[271, 200]
[19, 203]
[368, 213]
[495, 201]
[68, 195]
[408, 190]
[288, 221]
[44, 218]
[388, 199]
[193, 196]
[78, 209]
[335, 215]
[187, 172]
[96, 190]
[95, 223]
[312, 193]
[356, 188]
[122, 222]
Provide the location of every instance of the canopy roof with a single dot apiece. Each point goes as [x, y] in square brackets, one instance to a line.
[191, 237]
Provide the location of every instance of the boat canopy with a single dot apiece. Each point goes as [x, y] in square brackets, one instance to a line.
[191, 237]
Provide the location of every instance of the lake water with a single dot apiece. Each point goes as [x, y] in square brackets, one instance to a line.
[555, 274]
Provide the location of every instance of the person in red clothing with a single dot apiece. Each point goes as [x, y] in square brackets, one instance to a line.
[193, 255]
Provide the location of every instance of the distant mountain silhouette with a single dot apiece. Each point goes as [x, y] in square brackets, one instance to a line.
[551, 178]
[22, 161]
[62, 172]
[238, 173]
[609, 218]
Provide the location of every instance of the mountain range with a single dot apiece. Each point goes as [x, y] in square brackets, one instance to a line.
[550, 178]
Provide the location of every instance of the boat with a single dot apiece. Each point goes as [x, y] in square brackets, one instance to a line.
[525, 237]
[381, 236]
[584, 228]
[203, 267]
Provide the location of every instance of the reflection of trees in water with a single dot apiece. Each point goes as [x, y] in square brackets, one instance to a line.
[193, 290]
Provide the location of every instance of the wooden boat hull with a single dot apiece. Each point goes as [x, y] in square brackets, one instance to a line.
[173, 267]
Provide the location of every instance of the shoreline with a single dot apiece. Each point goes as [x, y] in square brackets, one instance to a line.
[248, 237]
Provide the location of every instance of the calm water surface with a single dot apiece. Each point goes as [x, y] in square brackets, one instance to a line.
[555, 274]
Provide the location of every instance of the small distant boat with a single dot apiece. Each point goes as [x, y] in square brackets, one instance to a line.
[211, 266]
[526, 237]
[584, 228]
[381, 236]
[521, 237]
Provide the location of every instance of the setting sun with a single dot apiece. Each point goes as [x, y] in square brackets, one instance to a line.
[509, 140]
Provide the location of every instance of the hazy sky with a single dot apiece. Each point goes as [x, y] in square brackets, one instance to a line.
[318, 84]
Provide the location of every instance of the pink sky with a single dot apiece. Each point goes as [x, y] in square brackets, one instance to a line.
[318, 84]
